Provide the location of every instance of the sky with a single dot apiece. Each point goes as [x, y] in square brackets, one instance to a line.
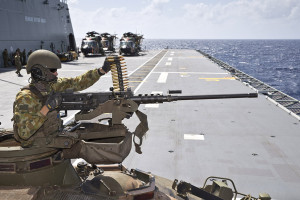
[188, 19]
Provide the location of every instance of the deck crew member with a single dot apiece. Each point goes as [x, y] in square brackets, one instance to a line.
[23, 57]
[18, 63]
[5, 57]
[29, 52]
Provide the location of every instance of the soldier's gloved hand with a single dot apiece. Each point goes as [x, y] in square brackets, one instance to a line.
[53, 101]
[106, 65]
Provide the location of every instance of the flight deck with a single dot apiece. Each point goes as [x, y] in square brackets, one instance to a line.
[252, 141]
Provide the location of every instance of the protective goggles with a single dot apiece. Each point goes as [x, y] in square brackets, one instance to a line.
[53, 70]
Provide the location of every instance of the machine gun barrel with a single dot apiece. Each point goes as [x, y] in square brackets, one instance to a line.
[87, 101]
[168, 98]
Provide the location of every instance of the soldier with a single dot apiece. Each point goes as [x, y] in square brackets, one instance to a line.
[24, 57]
[30, 52]
[18, 63]
[18, 50]
[5, 57]
[35, 118]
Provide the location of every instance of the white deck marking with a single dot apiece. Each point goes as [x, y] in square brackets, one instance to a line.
[170, 59]
[154, 105]
[144, 64]
[193, 137]
[140, 85]
[168, 63]
[163, 77]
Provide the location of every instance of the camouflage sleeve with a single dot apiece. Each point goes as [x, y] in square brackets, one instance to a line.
[27, 114]
[78, 83]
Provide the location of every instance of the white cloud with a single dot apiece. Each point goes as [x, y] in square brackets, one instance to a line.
[155, 7]
[99, 20]
[70, 2]
[118, 19]
[246, 9]
[247, 18]
[276, 8]
[295, 13]
[177, 19]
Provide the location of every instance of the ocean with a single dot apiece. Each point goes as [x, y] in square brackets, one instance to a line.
[275, 62]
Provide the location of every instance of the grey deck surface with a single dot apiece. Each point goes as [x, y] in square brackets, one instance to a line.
[251, 141]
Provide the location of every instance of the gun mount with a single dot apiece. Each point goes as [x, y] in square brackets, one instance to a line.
[48, 173]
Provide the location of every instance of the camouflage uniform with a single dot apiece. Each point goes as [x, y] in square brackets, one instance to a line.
[18, 63]
[29, 123]
[23, 57]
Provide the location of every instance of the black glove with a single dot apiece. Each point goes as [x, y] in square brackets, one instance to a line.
[53, 101]
[106, 65]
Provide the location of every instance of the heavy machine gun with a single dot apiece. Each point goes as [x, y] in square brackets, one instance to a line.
[87, 101]
[126, 101]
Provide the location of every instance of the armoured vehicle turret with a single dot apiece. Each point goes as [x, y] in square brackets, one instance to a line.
[91, 44]
[108, 42]
[102, 143]
[130, 44]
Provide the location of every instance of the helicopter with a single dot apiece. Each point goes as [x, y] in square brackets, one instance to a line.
[91, 44]
[108, 42]
[130, 44]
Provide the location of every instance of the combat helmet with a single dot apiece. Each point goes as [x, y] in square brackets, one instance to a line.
[40, 63]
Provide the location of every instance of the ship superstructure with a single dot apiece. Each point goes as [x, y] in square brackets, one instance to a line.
[35, 24]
